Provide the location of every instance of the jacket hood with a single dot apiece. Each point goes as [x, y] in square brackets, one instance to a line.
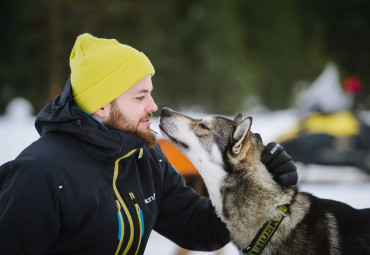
[62, 115]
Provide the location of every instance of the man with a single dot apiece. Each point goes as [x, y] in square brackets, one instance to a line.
[96, 182]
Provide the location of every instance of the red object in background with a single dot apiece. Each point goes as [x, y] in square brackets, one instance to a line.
[352, 85]
[177, 159]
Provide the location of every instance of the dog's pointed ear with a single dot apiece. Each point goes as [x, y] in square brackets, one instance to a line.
[238, 118]
[240, 132]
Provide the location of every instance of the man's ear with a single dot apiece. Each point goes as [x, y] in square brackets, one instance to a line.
[102, 114]
[241, 131]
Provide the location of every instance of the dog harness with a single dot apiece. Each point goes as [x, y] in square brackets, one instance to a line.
[266, 232]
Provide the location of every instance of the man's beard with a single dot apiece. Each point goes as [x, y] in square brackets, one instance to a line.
[118, 121]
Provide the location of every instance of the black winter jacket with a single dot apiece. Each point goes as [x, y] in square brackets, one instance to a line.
[83, 189]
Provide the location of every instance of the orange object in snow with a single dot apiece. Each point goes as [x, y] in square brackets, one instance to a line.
[177, 159]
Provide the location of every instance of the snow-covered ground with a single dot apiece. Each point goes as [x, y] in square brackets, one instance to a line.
[345, 184]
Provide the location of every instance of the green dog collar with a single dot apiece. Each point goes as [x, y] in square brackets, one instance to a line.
[265, 234]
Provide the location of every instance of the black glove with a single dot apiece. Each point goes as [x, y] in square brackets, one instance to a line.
[280, 164]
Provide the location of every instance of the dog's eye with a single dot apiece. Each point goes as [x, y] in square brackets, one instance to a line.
[202, 125]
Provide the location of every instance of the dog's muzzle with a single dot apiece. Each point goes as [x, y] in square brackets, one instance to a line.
[166, 112]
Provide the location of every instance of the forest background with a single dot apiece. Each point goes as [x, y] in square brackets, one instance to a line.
[221, 56]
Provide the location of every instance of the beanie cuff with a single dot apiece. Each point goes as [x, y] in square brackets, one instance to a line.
[115, 84]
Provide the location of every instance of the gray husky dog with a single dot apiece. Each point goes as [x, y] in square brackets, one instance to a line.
[263, 217]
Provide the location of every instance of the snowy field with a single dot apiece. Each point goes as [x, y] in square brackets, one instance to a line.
[345, 184]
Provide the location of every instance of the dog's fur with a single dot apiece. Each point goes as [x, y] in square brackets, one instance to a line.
[228, 157]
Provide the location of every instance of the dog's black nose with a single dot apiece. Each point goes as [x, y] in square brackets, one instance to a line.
[166, 112]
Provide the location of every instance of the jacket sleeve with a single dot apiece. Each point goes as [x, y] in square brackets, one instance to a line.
[29, 214]
[188, 219]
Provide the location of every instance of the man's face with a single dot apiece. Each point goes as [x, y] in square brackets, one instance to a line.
[131, 111]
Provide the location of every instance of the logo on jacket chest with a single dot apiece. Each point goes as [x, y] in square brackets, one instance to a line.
[150, 199]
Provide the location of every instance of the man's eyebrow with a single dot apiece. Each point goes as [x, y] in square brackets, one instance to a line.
[144, 91]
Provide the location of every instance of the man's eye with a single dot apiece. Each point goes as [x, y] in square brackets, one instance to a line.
[140, 98]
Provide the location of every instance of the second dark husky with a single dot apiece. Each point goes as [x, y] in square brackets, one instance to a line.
[228, 157]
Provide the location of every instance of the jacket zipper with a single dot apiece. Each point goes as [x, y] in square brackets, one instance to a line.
[121, 204]
[140, 219]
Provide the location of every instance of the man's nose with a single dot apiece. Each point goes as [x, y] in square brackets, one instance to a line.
[152, 107]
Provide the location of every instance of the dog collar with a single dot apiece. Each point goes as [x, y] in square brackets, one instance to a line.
[266, 232]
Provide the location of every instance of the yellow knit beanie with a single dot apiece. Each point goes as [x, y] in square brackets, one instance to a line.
[103, 69]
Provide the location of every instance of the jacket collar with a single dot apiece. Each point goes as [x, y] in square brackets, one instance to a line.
[63, 116]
